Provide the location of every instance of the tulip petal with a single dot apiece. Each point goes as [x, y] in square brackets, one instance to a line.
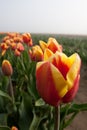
[43, 45]
[59, 81]
[60, 61]
[47, 53]
[45, 83]
[53, 45]
[74, 70]
[72, 92]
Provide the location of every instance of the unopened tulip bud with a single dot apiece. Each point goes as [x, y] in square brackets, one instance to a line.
[7, 68]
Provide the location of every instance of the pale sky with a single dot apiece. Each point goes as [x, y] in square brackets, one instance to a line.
[44, 16]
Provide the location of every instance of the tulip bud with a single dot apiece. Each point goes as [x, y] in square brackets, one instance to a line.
[7, 68]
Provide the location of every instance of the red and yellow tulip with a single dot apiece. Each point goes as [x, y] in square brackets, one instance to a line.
[36, 53]
[52, 45]
[57, 78]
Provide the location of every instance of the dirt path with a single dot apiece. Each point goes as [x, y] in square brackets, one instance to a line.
[80, 121]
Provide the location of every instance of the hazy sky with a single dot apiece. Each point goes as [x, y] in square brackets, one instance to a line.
[44, 16]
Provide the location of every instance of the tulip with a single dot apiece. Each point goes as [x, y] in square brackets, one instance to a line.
[47, 53]
[4, 46]
[17, 52]
[57, 78]
[27, 39]
[36, 53]
[13, 45]
[5, 38]
[18, 39]
[7, 68]
[14, 128]
[20, 47]
[43, 45]
[52, 45]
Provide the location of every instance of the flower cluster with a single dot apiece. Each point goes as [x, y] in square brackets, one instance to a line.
[14, 41]
[57, 75]
[43, 50]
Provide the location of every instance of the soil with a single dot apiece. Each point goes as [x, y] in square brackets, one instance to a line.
[80, 121]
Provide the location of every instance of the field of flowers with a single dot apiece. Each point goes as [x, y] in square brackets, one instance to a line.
[23, 106]
[70, 43]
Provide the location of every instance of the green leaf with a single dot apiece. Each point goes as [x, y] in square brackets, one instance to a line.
[3, 94]
[4, 128]
[25, 111]
[39, 102]
[3, 119]
[77, 108]
[67, 123]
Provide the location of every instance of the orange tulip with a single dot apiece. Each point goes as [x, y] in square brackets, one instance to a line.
[27, 39]
[57, 78]
[17, 52]
[7, 68]
[20, 47]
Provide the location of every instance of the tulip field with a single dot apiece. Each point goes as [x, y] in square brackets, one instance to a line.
[43, 81]
[71, 43]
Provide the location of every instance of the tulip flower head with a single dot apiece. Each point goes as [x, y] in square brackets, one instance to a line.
[36, 53]
[27, 39]
[57, 78]
[52, 45]
[7, 68]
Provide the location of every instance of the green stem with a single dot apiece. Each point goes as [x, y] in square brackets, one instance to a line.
[35, 123]
[11, 91]
[57, 118]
